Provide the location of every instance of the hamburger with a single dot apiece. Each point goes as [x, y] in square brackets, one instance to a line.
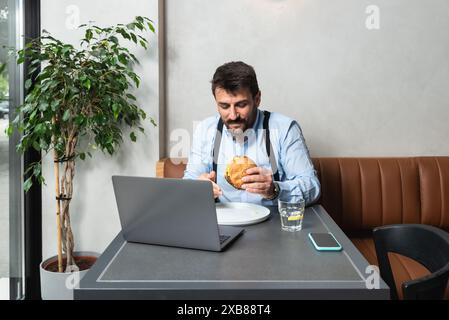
[236, 170]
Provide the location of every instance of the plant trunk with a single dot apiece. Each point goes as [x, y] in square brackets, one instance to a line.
[64, 193]
[67, 193]
[58, 211]
[67, 182]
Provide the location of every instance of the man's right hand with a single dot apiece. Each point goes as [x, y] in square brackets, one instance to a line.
[211, 177]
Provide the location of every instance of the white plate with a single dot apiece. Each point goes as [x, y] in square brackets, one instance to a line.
[240, 213]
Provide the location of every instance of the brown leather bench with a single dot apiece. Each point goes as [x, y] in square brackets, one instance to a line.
[363, 193]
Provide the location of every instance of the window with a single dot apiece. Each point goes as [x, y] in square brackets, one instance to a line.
[4, 161]
[11, 244]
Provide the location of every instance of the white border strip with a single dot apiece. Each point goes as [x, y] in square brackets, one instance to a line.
[110, 262]
[236, 281]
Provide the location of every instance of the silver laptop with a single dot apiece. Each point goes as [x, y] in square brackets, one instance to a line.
[171, 212]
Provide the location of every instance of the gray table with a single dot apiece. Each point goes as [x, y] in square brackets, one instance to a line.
[264, 263]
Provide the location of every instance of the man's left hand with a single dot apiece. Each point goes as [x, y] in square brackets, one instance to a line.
[259, 180]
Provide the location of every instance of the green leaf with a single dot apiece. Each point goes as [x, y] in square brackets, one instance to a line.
[29, 168]
[37, 169]
[140, 26]
[41, 179]
[83, 156]
[27, 184]
[39, 129]
[43, 144]
[124, 34]
[136, 80]
[20, 60]
[151, 27]
[33, 70]
[87, 84]
[110, 149]
[130, 96]
[28, 84]
[66, 115]
[123, 59]
[134, 58]
[8, 130]
[36, 145]
[74, 90]
[143, 44]
[33, 115]
[133, 137]
[54, 104]
[43, 106]
[113, 39]
[89, 34]
[80, 120]
[65, 49]
[116, 110]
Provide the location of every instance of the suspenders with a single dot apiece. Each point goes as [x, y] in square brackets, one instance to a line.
[268, 146]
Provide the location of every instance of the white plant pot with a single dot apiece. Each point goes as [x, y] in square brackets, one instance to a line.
[60, 285]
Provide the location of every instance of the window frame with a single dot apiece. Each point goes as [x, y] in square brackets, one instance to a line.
[25, 209]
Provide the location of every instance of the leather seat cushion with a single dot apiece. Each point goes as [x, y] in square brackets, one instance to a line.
[403, 268]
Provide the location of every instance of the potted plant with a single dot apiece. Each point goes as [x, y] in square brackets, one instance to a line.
[78, 102]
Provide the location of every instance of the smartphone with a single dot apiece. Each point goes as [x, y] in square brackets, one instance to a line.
[324, 242]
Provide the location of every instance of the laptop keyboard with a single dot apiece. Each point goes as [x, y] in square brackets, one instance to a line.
[223, 238]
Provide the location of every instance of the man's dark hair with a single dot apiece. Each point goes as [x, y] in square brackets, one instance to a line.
[234, 76]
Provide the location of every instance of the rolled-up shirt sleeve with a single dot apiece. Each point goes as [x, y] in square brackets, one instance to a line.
[300, 179]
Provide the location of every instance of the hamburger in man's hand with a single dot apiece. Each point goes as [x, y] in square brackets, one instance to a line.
[244, 174]
[236, 170]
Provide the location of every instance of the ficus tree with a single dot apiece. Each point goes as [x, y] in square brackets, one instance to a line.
[79, 99]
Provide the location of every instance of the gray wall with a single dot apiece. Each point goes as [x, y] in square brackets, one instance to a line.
[355, 92]
[94, 214]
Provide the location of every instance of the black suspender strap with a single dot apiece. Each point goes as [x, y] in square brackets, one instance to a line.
[217, 143]
[216, 150]
[268, 145]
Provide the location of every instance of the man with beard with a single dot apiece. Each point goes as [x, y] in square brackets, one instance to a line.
[250, 155]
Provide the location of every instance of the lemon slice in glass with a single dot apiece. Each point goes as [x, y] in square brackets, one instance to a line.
[294, 218]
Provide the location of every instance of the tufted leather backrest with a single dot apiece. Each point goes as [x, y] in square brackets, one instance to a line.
[363, 193]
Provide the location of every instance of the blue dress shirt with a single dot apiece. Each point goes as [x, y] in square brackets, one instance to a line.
[296, 172]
